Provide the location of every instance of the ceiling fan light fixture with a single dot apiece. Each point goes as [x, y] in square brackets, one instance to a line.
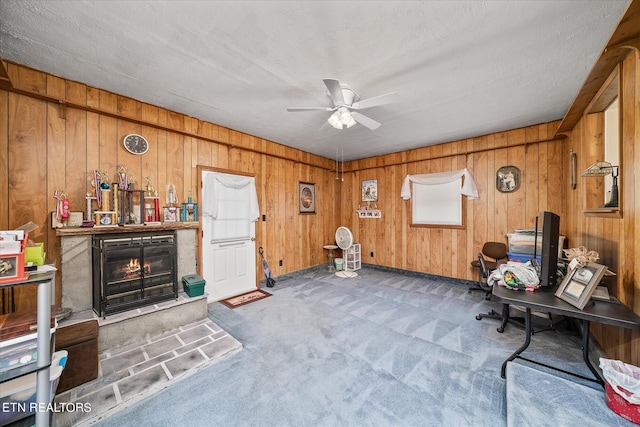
[334, 120]
[351, 121]
[345, 115]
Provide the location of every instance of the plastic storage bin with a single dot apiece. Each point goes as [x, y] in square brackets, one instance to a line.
[19, 352]
[34, 254]
[523, 243]
[522, 257]
[19, 395]
[193, 285]
[339, 263]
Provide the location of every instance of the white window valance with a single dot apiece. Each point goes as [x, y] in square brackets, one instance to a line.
[468, 188]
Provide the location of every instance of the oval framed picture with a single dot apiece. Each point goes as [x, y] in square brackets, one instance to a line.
[307, 197]
[508, 179]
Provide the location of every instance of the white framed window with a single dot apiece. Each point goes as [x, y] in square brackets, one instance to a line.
[437, 204]
[438, 199]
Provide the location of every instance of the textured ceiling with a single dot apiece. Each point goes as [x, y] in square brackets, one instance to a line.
[461, 68]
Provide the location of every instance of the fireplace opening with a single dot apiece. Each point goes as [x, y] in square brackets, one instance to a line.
[133, 270]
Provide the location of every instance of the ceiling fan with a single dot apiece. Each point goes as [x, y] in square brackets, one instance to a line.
[345, 103]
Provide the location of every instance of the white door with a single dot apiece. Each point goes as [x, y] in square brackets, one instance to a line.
[228, 234]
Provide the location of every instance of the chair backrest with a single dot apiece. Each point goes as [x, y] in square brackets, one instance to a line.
[483, 266]
[495, 250]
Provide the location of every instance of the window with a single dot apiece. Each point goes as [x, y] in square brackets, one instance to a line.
[437, 198]
[437, 204]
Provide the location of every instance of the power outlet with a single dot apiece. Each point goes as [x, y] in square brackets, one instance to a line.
[280, 263]
[371, 254]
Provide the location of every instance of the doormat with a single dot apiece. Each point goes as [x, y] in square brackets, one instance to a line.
[245, 298]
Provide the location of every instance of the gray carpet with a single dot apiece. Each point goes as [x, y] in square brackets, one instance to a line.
[552, 401]
[381, 349]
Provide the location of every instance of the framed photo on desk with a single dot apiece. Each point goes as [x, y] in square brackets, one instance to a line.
[580, 283]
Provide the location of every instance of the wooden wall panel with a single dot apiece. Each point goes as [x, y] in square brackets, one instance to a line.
[4, 159]
[617, 240]
[27, 173]
[60, 176]
[448, 252]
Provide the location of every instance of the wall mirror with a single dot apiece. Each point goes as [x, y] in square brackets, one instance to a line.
[600, 166]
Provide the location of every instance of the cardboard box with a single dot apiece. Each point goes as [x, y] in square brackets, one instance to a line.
[193, 285]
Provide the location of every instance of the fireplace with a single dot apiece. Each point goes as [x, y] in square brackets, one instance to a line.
[132, 270]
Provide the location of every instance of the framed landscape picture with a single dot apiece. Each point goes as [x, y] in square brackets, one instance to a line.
[370, 190]
[307, 197]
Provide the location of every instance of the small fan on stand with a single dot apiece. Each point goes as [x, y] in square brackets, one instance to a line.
[344, 240]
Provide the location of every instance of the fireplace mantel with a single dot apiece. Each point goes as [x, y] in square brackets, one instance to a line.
[79, 231]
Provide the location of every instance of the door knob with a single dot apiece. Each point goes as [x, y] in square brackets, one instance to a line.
[253, 239]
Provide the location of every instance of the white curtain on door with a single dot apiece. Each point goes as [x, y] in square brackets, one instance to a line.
[232, 202]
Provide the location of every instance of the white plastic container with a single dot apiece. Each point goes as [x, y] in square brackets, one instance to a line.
[339, 263]
[20, 351]
[19, 394]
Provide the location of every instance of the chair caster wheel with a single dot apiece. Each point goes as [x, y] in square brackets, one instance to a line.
[478, 317]
[500, 329]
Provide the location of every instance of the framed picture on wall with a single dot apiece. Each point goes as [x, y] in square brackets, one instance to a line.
[370, 190]
[508, 179]
[307, 197]
[579, 284]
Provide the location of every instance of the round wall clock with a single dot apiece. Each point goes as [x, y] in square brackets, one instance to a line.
[135, 144]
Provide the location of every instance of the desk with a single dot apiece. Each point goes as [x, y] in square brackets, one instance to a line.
[44, 282]
[544, 300]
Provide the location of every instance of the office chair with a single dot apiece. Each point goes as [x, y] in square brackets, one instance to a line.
[498, 252]
[504, 317]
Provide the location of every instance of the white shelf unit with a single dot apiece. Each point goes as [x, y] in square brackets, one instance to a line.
[352, 258]
[370, 213]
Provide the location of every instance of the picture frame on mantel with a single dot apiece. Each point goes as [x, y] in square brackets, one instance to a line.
[307, 197]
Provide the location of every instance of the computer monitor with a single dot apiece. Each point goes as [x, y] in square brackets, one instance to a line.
[549, 248]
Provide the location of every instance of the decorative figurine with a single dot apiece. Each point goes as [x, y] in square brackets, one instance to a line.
[63, 207]
[172, 197]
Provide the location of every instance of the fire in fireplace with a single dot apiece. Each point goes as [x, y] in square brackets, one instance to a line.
[132, 270]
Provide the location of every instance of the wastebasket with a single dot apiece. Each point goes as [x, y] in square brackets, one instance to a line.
[622, 388]
[339, 263]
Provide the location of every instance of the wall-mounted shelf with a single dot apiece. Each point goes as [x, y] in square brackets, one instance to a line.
[370, 213]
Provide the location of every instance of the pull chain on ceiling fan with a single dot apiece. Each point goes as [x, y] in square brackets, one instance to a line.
[345, 103]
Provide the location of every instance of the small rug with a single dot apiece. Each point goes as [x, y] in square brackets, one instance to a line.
[245, 298]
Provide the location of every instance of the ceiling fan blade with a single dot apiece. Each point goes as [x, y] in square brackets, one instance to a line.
[333, 86]
[325, 126]
[388, 98]
[365, 121]
[298, 109]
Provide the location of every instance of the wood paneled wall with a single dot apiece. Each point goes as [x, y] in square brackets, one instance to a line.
[445, 251]
[54, 132]
[616, 239]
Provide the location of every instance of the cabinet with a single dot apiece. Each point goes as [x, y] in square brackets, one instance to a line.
[352, 258]
[41, 367]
